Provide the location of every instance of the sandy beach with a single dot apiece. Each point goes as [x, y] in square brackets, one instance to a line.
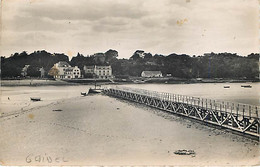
[100, 130]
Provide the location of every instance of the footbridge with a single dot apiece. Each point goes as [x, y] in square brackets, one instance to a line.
[238, 117]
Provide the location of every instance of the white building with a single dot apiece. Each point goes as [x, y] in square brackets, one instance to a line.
[66, 71]
[42, 72]
[101, 72]
[72, 72]
[61, 65]
[151, 74]
[24, 70]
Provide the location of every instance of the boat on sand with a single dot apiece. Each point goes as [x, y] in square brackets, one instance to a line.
[35, 99]
[246, 86]
[94, 90]
[83, 93]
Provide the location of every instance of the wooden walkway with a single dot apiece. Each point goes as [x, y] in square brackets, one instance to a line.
[239, 117]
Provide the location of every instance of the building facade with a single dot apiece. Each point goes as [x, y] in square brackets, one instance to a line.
[24, 70]
[66, 71]
[72, 72]
[101, 72]
[151, 74]
[61, 66]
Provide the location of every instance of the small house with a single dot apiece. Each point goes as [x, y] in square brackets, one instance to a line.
[151, 74]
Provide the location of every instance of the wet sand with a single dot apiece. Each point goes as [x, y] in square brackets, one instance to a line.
[100, 130]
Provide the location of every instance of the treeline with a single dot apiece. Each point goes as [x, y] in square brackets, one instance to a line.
[212, 65]
[13, 65]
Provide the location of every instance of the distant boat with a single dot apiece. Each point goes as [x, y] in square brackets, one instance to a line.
[246, 86]
[138, 81]
[35, 99]
[83, 93]
[94, 90]
[226, 86]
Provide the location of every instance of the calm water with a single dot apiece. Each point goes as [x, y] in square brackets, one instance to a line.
[20, 96]
[235, 93]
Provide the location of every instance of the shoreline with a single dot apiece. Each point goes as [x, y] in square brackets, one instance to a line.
[47, 82]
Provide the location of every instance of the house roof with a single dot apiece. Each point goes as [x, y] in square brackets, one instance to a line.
[103, 67]
[63, 64]
[69, 69]
[151, 73]
[97, 67]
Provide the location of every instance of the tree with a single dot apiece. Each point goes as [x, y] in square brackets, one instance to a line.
[110, 55]
[148, 56]
[33, 71]
[137, 55]
[53, 72]
[99, 58]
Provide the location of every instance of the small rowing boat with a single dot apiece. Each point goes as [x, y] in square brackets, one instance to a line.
[94, 90]
[35, 99]
[246, 86]
[83, 93]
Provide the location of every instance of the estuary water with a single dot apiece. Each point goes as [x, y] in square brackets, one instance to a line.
[15, 98]
[216, 91]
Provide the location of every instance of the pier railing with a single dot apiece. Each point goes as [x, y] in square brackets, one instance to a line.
[206, 103]
[236, 116]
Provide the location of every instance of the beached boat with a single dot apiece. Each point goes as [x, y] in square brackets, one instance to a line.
[94, 90]
[246, 86]
[226, 86]
[83, 93]
[35, 99]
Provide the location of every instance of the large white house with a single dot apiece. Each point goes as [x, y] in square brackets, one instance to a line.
[101, 72]
[151, 74]
[72, 72]
[66, 71]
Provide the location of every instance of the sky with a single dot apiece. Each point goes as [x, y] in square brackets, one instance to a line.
[191, 27]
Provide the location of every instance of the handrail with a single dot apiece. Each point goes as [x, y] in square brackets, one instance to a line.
[225, 106]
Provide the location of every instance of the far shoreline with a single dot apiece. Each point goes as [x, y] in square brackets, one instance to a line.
[34, 82]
